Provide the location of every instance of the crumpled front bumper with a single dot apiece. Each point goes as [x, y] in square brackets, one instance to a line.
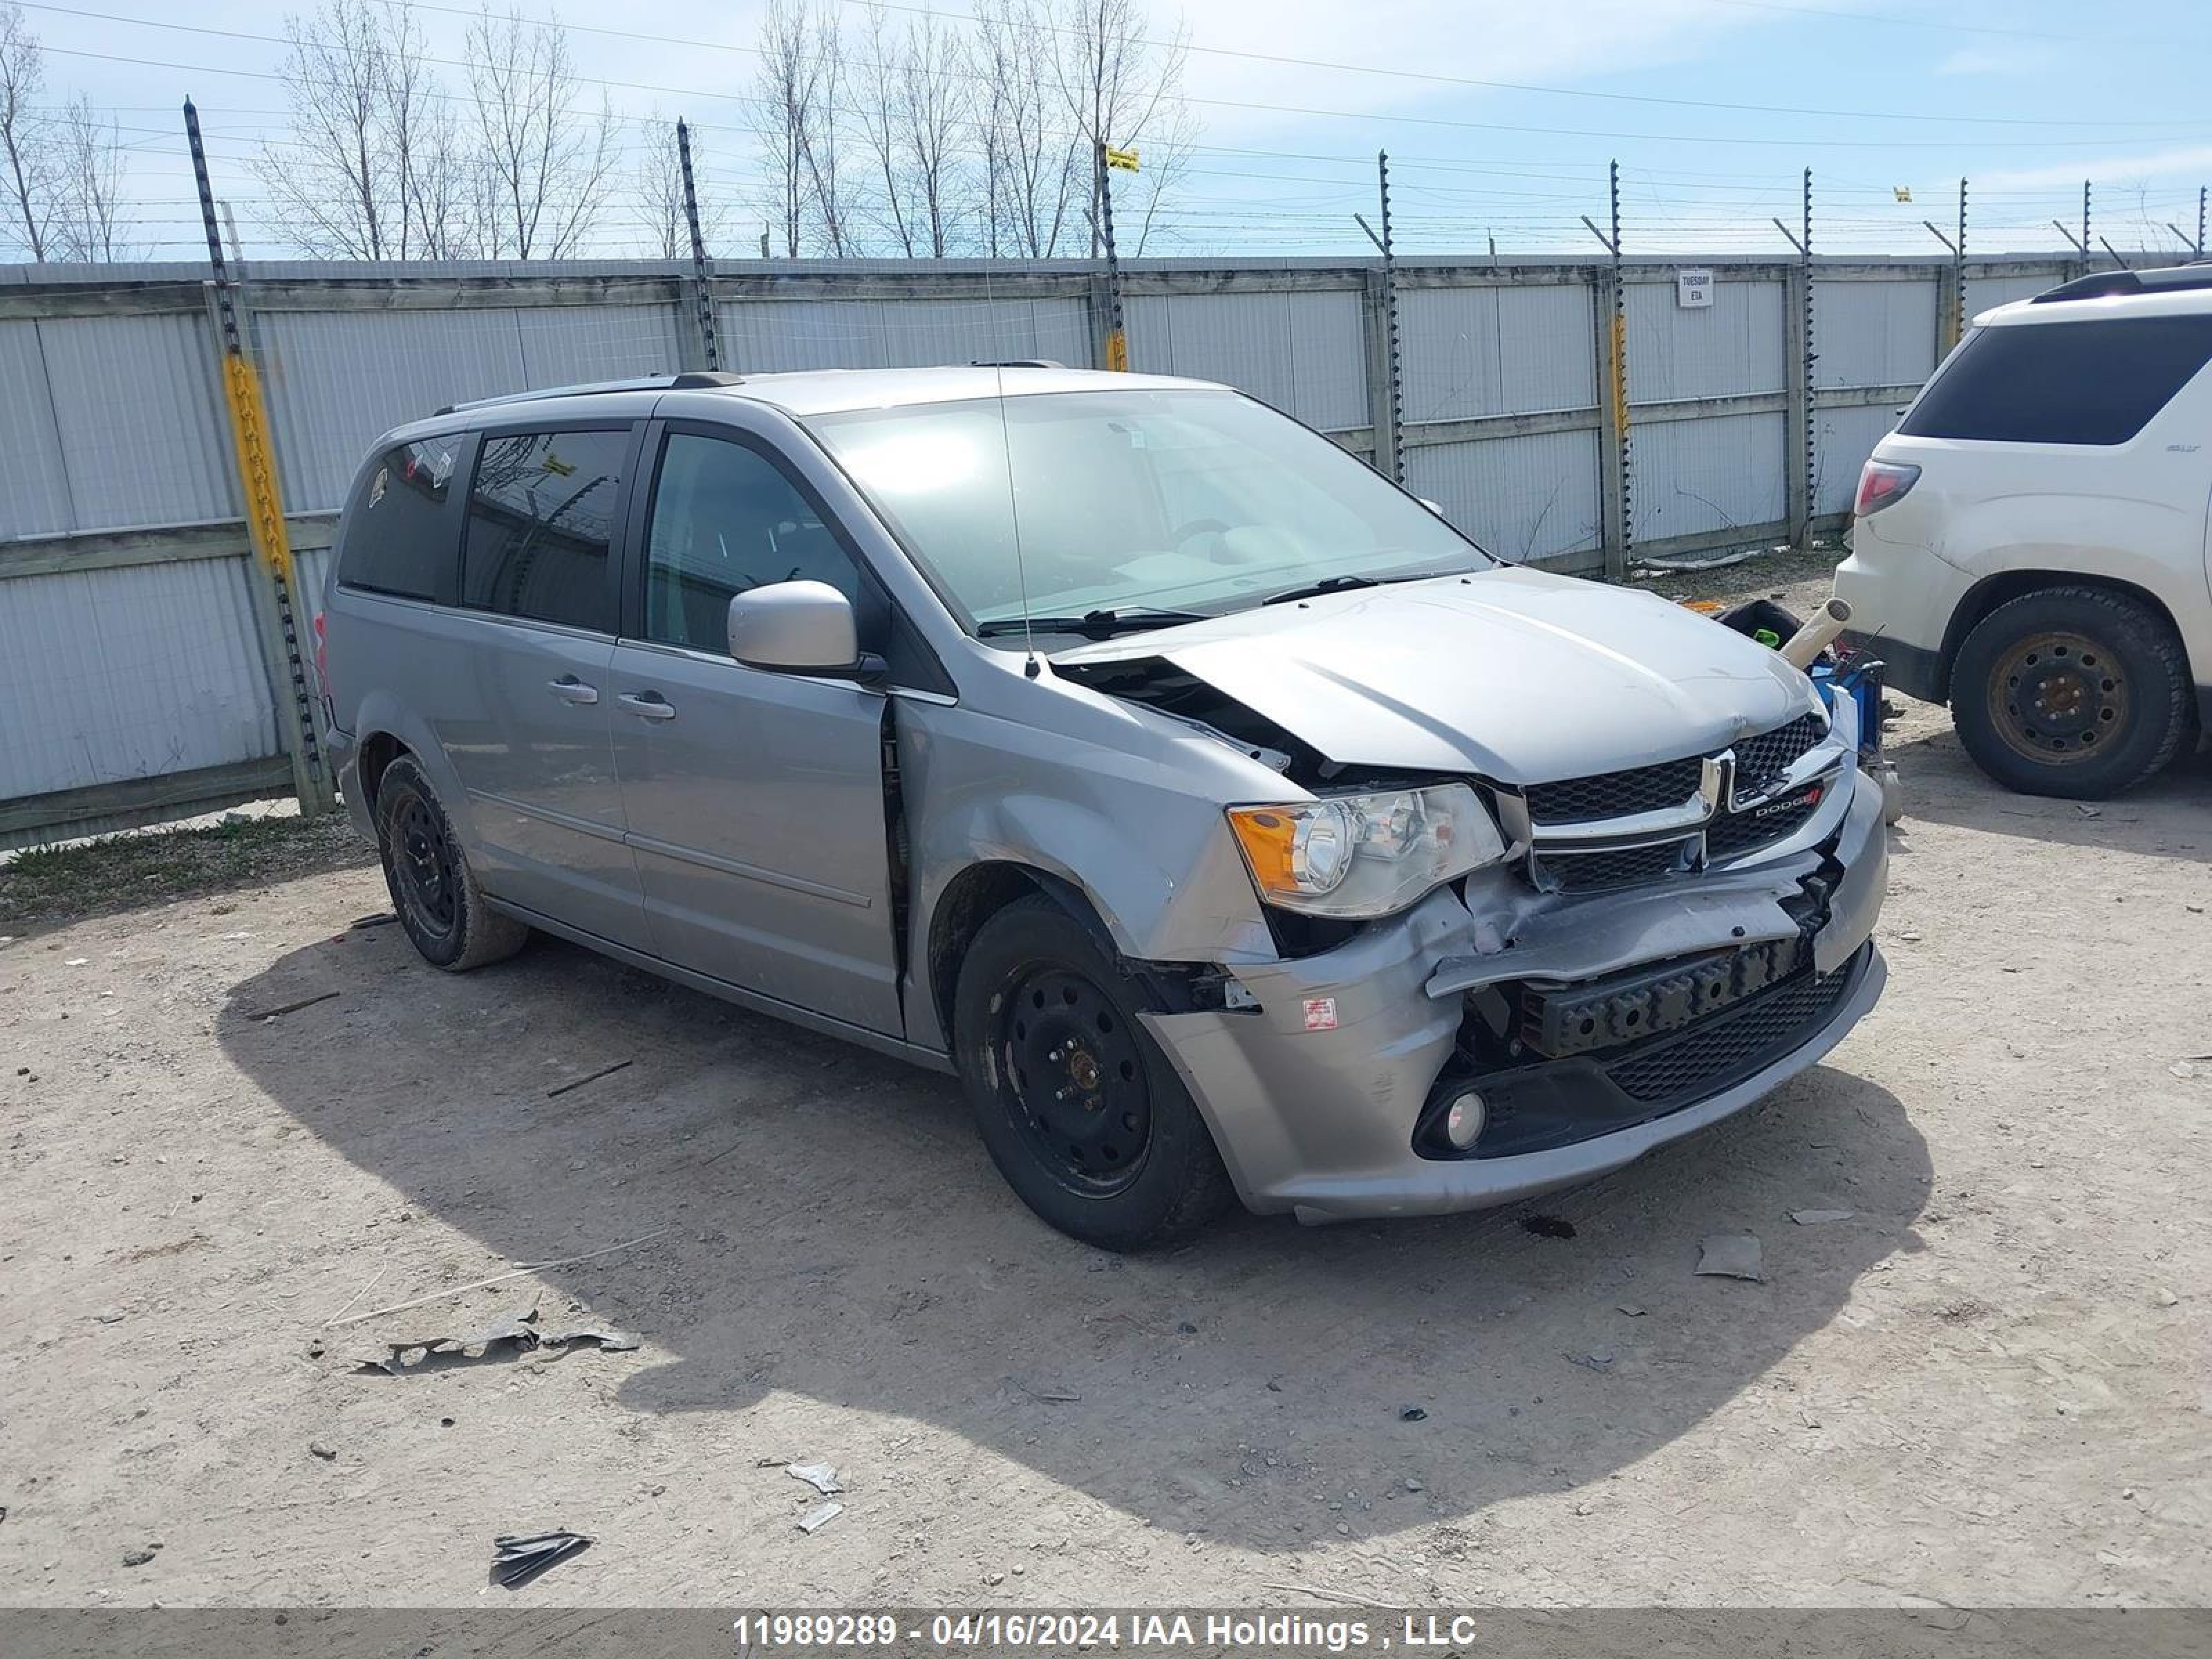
[1321, 1121]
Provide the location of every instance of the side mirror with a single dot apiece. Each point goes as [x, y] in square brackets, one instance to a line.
[799, 627]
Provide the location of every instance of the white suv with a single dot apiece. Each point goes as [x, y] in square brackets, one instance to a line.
[2030, 544]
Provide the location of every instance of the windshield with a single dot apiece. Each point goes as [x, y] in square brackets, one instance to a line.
[1192, 501]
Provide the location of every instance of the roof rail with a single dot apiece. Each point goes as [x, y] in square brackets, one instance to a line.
[2167, 279]
[1018, 363]
[689, 380]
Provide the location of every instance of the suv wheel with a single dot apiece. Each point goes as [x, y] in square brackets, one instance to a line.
[1081, 1112]
[2073, 691]
[433, 891]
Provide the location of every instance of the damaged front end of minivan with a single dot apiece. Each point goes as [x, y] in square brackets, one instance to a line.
[1554, 966]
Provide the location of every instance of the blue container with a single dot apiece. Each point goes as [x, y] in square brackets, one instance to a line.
[1862, 685]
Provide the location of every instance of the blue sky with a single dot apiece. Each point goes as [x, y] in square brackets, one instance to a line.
[1711, 106]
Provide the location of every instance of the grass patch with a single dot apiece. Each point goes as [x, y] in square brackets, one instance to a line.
[124, 873]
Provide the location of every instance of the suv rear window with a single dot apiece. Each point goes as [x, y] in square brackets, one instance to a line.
[541, 518]
[401, 536]
[2062, 383]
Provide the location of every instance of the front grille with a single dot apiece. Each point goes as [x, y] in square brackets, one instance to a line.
[1615, 794]
[1739, 832]
[1706, 1058]
[1761, 760]
[1615, 866]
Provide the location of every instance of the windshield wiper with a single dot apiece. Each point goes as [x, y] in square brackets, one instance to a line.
[1342, 584]
[1091, 624]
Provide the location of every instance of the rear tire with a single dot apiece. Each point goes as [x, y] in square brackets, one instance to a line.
[1080, 1110]
[433, 889]
[2078, 692]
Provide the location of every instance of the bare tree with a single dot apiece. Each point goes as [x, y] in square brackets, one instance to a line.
[1034, 180]
[25, 147]
[331, 178]
[429, 168]
[915, 120]
[543, 164]
[798, 121]
[1116, 87]
[659, 186]
[90, 222]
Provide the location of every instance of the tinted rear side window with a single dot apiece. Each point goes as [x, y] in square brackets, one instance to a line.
[541, 520]
[2063, 383]
[402, 535]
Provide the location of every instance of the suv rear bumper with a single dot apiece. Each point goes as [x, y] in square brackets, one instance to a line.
[1323, 1121]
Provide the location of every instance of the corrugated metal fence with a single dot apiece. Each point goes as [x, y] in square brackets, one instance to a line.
[135, 686]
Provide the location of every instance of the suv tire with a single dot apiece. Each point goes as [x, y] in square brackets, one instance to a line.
[434, 891]
[1083, 1115]
[2079, 692]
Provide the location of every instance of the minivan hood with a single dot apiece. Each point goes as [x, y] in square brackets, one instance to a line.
[1517, 675]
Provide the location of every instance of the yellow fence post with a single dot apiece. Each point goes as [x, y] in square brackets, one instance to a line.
[276, 577]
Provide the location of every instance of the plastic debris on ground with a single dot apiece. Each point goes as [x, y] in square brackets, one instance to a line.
[822, 1477]
[516, 1561]
[1731, 1255]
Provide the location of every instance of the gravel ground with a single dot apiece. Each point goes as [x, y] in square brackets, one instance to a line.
[1988, 1383]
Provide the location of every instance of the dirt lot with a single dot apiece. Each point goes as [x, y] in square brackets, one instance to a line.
[1990, 1384]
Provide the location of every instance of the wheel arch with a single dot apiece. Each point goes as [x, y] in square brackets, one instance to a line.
[2004, 586]
[377, 751]
[969, 900]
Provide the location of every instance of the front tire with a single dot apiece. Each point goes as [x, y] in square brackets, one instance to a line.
[2078, 692]
[1080, 1110]
[434, 891]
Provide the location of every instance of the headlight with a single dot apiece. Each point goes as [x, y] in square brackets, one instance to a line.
[1364, 855]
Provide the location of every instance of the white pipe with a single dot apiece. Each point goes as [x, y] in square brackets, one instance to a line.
[1814, 637]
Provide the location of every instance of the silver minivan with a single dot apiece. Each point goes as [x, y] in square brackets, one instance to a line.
[1227, 821]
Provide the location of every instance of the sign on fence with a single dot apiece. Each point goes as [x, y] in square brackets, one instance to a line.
[1693, 289]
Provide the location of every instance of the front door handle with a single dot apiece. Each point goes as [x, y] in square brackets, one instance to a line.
[648, 705]
[570, 689]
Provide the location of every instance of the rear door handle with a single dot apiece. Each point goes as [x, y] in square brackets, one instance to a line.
[570, 689]
[648, 705]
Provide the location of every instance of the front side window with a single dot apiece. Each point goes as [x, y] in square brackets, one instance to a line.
[1185, 501]
[724, 520]
[2061, 383]
[400, 536]
[541, 522]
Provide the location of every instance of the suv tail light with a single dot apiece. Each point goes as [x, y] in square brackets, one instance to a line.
[1883, 482]
[322, 670]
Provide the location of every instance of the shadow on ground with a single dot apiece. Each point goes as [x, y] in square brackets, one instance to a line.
[835, 1231]
[1943, 785]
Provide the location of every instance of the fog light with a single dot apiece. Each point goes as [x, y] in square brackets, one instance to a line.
[1463, 1120]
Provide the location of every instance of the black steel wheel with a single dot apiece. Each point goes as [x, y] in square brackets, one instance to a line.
[2081, 692]
[424, 865]
[1076, 1075]
[427, 872]
[1079, 1108]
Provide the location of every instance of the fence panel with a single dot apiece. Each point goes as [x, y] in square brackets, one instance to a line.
[131, 673]
[1500, 349]
[36, 502]
[1695, 474]
[1985, 292]
[775, 336]
[1877, 332]
[1302, 352]
[1529, 497]
[140, 419]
